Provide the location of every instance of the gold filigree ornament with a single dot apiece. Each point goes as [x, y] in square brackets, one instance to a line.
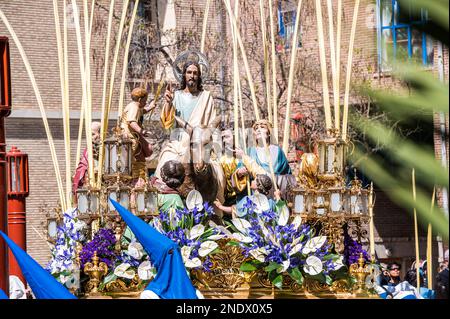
[225, 271]
[96, 271]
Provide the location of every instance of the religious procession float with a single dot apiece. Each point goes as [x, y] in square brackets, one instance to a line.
[244, 225]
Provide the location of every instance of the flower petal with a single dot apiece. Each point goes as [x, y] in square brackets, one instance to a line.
[261, 202]
[297, 221]
[242, 238]
[193, 263]
[284, 216]
[186, 252]
[241, 224]
[207, 247]
[313, 244]
[295, 249]
[286, 265]
[194, 200]
[196, 231]
[313, 265]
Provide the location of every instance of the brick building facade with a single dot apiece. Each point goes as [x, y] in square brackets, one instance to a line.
[33, 22]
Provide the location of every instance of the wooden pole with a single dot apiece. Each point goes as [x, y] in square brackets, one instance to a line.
[266, 58]
[416, 232]
[333, 61]
[287, 119]
[235, 79]
[85, 103]
[349, 70]
[62, 78]
[337, 98]
[244, 58]
[371, 224]
[205, 23]
[326, 96]
[105, 102]
[66, 104]
[110, 94]
[41, 108]
[430, 246]
[125, 59]
[274, 73]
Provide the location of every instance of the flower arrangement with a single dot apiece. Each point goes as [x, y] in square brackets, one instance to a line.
[352, 251]
[278, 246]
[62, 265]
[124, 264]
[192, 230]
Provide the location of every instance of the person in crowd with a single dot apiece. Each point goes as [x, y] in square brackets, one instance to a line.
[442, 281]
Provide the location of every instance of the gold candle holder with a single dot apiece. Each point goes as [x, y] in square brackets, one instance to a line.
[96, 271]
[360, 271]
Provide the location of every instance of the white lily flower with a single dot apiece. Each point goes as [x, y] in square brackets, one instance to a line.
[145, 270]
[313, 244]
[285, 267]
[297, 221]
[220, 228]
[79, 225]
[241, 224]
[194, 200]
[123, 271]
[186, 252]
[338, 263]
[242, 238]
[313, 265]
[261, 202]
[259, 254]
[193, 263]
[207, 247]
[216, 237]
[135, 250]
[284, 216]
[295, 249]
[196, 231]
[157, 225]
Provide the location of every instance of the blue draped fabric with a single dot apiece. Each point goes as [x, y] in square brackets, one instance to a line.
[43, 284]
[280, 165]
[171, 280]
[3, 295]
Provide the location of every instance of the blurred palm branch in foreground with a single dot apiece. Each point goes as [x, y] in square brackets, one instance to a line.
[425, 96]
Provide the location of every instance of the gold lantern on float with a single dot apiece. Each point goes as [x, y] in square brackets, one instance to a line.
[118, 158]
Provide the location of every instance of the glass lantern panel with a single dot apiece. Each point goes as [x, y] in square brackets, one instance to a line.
[321, 158]
[130, 158]
[140, 202]
[124, 158]
[107, 166]
[13, 175]
[17, 168]
[94, 203]
[364, 204]
[113, 196]
[113, 158]
[330, 159]
[320, 201]
[124, 199]
[151, 202]
[299, 206]
[354, 204]
[340, 158]
[346, 203]
[335, 202]
[82, 203]
[52, 228]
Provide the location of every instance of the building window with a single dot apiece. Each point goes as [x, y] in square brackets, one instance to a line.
[399, 38]
[287, 11]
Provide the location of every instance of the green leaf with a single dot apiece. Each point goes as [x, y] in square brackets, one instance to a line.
[319, 277]
[278, 281]
[248, 266]
[331, 256]
[296, 274]
[328, 280]
[233, 243]
[272, 266]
